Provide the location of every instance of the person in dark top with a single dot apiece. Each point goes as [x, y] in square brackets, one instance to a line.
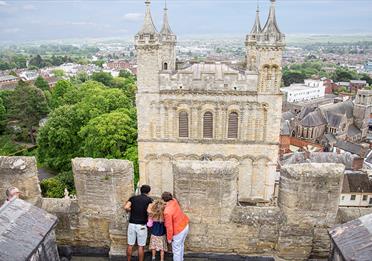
[137, 229]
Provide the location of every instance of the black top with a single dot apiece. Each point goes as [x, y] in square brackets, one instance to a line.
[138, 211]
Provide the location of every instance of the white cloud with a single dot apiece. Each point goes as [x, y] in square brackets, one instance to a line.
[10, 30]
[133, 17]
[29, 7]
[3, 3]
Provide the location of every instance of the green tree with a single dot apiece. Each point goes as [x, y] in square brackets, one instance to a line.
[127, 85]
[290, 76]
[64, 93]
[109, 135]
[103, 77]
[28, 106]
[2, 116]
[37, 61]
[58, 73]
[41, 83]
[343, 75]
[55, 187]
[59, 139]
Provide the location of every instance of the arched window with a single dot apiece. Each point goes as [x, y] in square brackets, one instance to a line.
[183, 125]
[165, 66]
[208, 125]
[232, 132]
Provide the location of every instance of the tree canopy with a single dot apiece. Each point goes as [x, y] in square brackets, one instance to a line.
[28, 106]
[41, 83]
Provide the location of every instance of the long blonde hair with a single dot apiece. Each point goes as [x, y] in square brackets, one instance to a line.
[157, 209]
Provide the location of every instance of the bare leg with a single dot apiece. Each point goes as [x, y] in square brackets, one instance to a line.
[141, 253]
[161, 255]
[153, 253]
[129, 252]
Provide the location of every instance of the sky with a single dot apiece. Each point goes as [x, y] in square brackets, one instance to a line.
[22, 20]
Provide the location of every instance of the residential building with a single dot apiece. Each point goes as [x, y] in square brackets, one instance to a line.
[310, 90]
[29, 75]
[356, 85]
[356, 190]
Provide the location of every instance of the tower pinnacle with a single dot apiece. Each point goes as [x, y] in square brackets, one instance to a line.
[257, 24]
[271, 26]
[148, 25]
[166, 30]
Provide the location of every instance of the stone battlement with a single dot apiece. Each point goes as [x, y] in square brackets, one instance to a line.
[294, 230]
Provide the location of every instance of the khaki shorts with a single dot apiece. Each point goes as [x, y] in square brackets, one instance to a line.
[138, 232]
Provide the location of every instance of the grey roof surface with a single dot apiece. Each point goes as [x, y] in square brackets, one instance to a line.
[346, 108]
[288, 115]
[285, 128]
[22, 228]
[353, 131]
[352, 148]
[8, 78]
[334, 120]
[330, 138]
[313, 119]
[354, 238]
[356, 182]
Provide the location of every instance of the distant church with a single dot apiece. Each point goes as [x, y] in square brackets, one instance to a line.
[210, 111]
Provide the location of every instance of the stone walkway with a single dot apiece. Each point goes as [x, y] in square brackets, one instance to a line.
[210, 257]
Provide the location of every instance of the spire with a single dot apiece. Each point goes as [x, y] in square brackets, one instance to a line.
[148, 25]
[257, 24]
[166, 30]
[271, 25]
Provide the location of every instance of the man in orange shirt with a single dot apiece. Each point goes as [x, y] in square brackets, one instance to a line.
[177, 225]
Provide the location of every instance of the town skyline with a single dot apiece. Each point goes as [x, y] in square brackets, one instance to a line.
[22, 21]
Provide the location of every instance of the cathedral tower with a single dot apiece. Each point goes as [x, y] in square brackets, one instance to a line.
[270, 47]
[147, 43]
[251, 43]
[168, 44]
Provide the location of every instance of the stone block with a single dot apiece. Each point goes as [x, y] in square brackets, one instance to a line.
[20, 172]
[309, 192]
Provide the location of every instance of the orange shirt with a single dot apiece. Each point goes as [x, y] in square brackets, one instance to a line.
[175, 220]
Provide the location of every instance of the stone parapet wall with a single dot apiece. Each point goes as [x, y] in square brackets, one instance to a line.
[20, 172]
[296, 229]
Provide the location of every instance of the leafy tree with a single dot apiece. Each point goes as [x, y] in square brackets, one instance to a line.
[64, 93]
[103, 77]
[28, 106]
[109, 135]
[290, 77]
[367, 78]
[58, 141]
[41, 83]
[37, 61]
[58, 73]
[2, 116]
[128, 86]
[125, 74]
[342, 75]
[55, 187]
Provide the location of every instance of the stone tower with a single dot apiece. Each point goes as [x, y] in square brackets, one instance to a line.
[251, 44]
[362, 110]
[147, 43]
[209, 111]
[168, 44]
[270, 47]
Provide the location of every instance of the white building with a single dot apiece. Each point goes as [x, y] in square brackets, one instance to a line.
[310, 90]
[29, 75]
[356, 190]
